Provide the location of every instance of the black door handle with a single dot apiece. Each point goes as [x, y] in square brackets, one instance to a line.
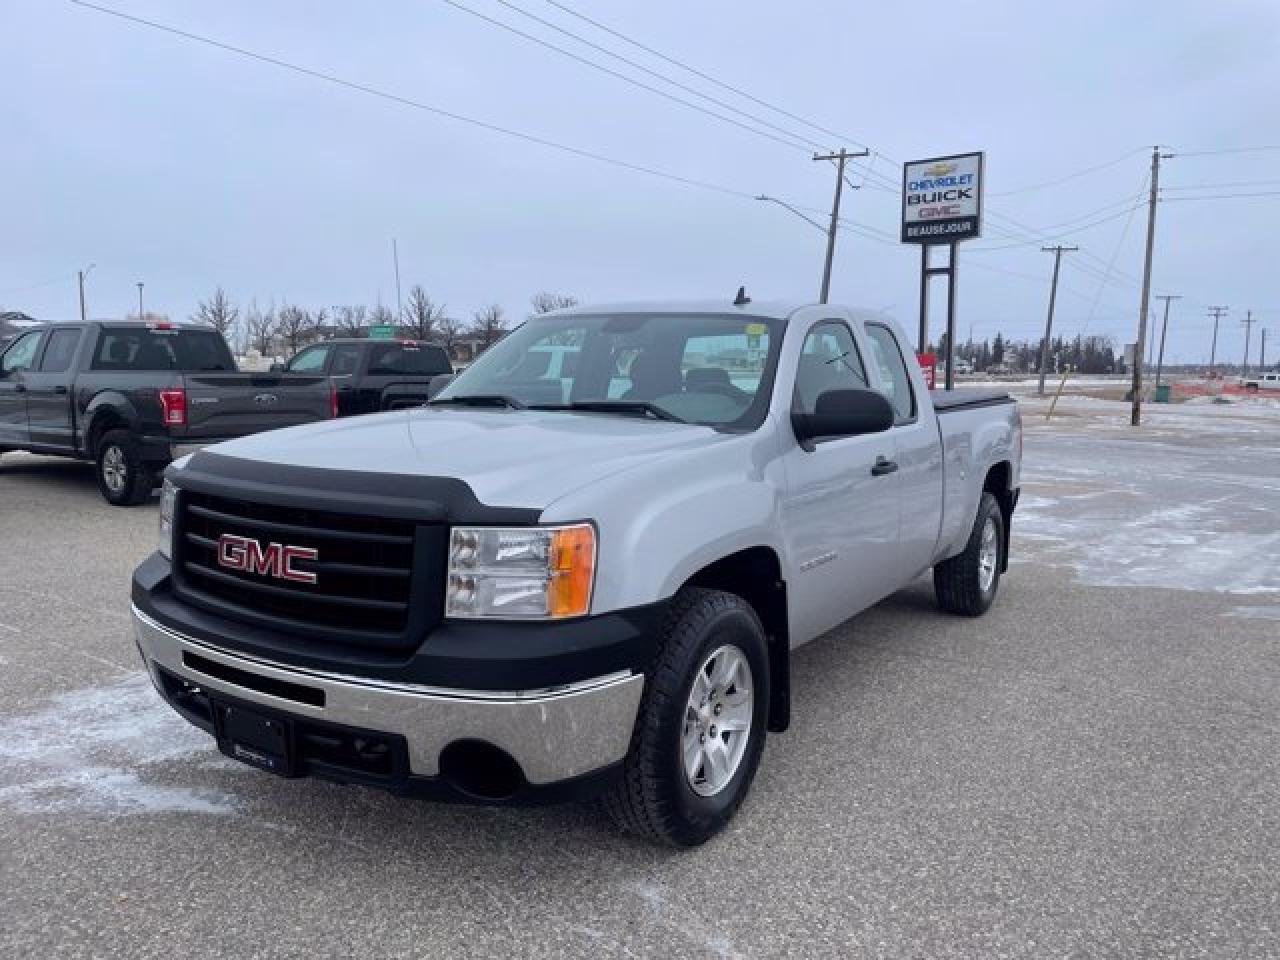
[60, 390]
[19, 388]
[883, 467]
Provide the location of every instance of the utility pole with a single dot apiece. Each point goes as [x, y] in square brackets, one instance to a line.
[395, 256]
[1057, 252]
[1217, 313]
[1164, 330]
[1135, 417]
[140, 314]
[840, 157]
[1248, 329]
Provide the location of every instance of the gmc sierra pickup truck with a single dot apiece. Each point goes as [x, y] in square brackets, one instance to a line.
[585, 581]
[371, 376]
[131, 397]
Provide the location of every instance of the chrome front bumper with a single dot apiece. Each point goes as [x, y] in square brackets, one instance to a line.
[553, 734]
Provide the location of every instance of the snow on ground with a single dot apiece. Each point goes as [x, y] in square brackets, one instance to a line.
[104, 750]
[1190, 500]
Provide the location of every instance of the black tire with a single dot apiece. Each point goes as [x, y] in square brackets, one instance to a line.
[654, 797]
[125, 481]
[957, 582]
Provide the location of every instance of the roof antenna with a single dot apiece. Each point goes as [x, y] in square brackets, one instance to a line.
[741, 300]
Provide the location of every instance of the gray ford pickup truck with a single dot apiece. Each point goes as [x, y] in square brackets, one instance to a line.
[580, 580]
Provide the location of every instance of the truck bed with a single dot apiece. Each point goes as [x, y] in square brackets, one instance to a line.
[944, 401]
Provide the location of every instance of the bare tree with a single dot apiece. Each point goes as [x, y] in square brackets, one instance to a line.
[350, 321]
[545, 302]
[218, 312]
[381, 316]
[294, 325]
[448, 331]
[260, 327]
[422, 315]
[487, 326]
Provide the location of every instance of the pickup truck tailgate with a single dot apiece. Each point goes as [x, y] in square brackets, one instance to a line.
[222, 406]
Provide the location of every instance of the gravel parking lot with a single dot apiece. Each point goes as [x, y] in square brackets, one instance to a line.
[1090, 770]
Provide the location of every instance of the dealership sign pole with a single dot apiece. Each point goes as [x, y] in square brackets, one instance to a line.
[941, 204]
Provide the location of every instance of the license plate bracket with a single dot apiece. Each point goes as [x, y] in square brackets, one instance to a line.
[259, 739]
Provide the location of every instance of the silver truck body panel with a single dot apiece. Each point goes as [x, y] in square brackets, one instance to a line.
[668, 499]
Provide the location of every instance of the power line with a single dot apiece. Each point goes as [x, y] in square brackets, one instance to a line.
[840, 137]
[502, 25]
[1070, 176]
[1214, 153]
[660, 76]
[417, 104]
[1225, 196]
[1229, 184]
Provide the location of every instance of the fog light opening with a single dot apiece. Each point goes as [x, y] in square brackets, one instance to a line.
[480, 770]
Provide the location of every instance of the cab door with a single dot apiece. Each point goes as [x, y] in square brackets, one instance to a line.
[917, 452]
[840, 511]
[49, 401]
[15, 362]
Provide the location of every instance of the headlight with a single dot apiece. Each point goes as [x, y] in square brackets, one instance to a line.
[168, 497]
[521, 573]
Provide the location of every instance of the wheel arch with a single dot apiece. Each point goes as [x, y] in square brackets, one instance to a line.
[999, 483]
[755, 575]
[107, 411]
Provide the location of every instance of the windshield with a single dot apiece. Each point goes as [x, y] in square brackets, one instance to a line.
[700, 368]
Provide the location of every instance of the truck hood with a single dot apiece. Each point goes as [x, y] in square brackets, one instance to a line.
[510, 458]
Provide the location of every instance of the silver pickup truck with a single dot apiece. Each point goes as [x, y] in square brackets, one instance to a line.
[586, 580]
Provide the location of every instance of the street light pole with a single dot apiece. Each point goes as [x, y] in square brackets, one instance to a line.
[1164, 330]
[81, 274]
[140, 314]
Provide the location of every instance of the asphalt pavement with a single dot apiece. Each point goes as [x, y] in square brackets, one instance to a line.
[1090, 770]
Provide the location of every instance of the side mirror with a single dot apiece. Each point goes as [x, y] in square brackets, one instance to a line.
[276, 368]
[844, 413]
[438, 383]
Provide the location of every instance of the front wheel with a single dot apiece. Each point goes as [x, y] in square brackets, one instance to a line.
[966, 583]
[123, 478]
[701, 726]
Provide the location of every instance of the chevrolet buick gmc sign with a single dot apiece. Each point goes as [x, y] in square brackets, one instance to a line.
[942, 199]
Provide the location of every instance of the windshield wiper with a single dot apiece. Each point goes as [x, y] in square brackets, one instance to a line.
[642, 407]
[480, 400]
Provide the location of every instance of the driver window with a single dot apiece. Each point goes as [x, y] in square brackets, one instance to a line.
[22, 355]
[829, 360]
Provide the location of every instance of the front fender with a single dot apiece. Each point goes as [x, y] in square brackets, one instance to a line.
[661, 522]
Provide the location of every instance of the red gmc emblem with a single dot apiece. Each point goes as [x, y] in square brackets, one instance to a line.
[274, 560]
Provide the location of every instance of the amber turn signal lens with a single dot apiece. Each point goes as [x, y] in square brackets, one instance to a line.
[573, 566]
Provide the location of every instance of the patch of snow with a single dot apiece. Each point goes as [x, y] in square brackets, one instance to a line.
[89, 751]
[1255, 613]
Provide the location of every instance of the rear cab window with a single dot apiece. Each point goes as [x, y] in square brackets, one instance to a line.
[139, 348]
[60, 350]
[397, 358]
[895, 382]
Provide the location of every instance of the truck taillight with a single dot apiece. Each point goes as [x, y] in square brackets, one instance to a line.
[174, 405]
[333, 402]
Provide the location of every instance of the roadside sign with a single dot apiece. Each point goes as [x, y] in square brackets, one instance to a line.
[942, 199]
[383, 332]
[929, 365]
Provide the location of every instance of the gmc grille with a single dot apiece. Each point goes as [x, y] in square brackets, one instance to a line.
[364, 569]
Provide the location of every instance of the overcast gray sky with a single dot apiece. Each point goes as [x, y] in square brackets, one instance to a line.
[186, 167]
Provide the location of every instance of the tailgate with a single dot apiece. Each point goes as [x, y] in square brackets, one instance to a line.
[221, 406]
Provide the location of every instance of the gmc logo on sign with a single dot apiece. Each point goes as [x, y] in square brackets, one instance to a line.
[274, 560]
